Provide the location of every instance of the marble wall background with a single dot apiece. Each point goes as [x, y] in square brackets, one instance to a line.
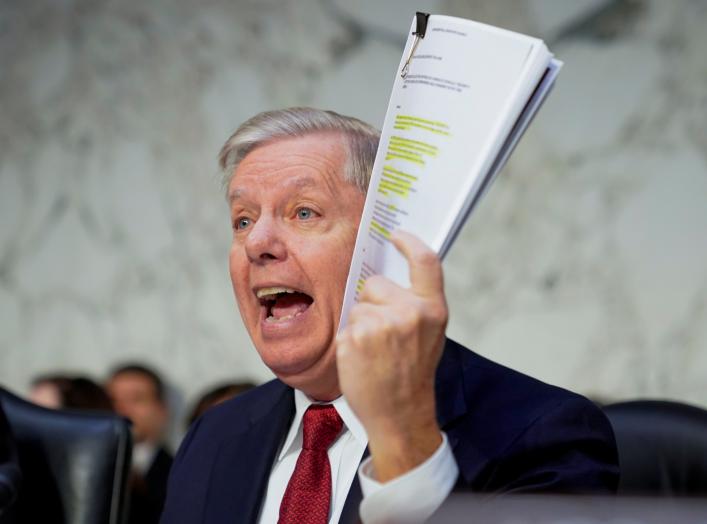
[586, 265]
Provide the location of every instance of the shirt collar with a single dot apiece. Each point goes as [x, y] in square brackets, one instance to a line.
[143, 455]
[293, 442]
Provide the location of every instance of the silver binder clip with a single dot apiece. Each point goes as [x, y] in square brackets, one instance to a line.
[419, 34]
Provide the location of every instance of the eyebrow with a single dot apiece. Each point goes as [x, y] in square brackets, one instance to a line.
[234, 195]
[298, 183]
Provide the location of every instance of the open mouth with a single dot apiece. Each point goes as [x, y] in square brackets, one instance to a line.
[282, 304]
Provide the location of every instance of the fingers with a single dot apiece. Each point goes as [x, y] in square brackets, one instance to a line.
[387, 355]
[363, 335]
[425, 268]
[425, 273]
[364, 327]
[381, 290]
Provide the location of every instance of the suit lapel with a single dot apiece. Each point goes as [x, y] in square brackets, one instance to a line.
[349, 514]
[449, 389]
[242, 467]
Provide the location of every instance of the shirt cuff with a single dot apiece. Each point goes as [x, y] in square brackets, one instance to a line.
[412, 497]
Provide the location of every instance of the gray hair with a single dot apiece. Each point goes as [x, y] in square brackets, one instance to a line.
[362, 139]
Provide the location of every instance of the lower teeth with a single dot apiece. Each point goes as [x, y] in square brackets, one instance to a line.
[272, 319]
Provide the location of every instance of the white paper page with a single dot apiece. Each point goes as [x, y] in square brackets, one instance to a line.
[524, 120]
[446, 123]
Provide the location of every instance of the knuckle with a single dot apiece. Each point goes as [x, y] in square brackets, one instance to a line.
[427, 258]
[357, 312]
[373, 284]
[438, 312]
[375, 279]
[360, 335]
[343, 343]
[385, 324]
[410, 319]
[417, 314]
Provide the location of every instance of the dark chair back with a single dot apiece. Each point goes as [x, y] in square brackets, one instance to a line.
[662, 447]
[74, 464]
[10, 476]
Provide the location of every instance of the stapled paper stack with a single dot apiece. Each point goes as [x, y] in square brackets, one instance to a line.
[463, 95]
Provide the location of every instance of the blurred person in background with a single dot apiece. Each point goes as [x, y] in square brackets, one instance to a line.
[58, 391]
[138, 393]
[215, 396]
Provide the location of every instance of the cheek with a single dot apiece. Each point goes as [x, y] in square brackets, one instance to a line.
[233, 255]
[237, 267]
[238, 270]
[142, 412]
[334, 259]
[345, 248]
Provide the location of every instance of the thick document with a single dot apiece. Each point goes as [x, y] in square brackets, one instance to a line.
[463, 95]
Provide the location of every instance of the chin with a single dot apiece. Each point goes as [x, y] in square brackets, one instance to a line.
[286, 358]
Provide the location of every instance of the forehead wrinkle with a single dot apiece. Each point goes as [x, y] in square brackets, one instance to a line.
[298, 158]
[318, 178]
[327, 168]
[309, 181]
[297, 182]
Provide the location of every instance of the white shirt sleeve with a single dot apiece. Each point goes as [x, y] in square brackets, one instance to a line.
[412, 497]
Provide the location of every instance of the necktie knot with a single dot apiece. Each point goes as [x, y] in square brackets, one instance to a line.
[308, 495]
[322, 424]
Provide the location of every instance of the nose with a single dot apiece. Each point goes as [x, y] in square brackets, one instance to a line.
[265, 241]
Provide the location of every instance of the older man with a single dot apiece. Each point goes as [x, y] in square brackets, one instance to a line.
[427, 411]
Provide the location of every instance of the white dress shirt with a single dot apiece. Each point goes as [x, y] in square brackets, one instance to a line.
[143, 456]
[411, 497]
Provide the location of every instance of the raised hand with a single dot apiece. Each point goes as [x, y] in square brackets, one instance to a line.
[387, 357]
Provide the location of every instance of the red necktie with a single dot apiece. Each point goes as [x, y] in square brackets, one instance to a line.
[308, 494]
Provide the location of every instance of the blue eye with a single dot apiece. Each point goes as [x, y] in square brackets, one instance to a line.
[304, 213]
[241, 223]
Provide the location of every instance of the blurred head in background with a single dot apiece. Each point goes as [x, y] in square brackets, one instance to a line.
[49, 391]
[68, 392]
[217, 395]
[138, 393]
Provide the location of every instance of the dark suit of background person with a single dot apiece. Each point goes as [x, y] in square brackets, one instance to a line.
[509, 434]
[148, 491]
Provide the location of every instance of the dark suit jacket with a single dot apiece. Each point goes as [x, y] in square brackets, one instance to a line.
[508, 433]
[148, 492]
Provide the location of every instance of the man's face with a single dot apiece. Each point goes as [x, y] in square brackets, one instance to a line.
[294, 227]
[134, 396]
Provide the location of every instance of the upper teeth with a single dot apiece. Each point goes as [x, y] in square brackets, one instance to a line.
[269, 291]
